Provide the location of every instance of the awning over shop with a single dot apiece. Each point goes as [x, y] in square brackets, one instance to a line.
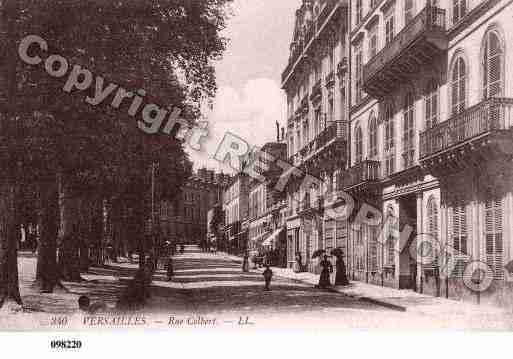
[272, 238]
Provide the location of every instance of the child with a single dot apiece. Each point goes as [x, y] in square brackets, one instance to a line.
[268, 274]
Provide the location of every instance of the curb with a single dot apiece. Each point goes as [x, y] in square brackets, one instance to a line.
[379, 302]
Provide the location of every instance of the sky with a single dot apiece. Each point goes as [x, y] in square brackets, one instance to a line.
[249, 99]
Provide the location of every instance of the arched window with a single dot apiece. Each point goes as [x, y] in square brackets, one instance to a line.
[389, 145]
[493, 82]
[373, 136]
[358, 144]
[431, 104]
[458, 86]
[408, 130]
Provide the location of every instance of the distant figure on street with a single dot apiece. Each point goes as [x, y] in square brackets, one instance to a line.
[169, 268]
[327, 268]
[268, 275]
[84, 304]
[298, 265]
[182, 248]
[245, 262]
[340, 275]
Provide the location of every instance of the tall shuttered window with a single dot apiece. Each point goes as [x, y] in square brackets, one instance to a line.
[373, 41]
[373, 249]
[389, 160]
[391, 229]
[408, 11]
[373, 136]
[459, 227]
[359, 11]
[492, 66]
[432, 229]
[459, 9]
[431, 104]
[408, 130]
[458, 86]
[494, 236]
[358, 137]
[358, 73]
[389, 25]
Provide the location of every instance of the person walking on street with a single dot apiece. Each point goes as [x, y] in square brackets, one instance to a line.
[245, 262]
[268, 275]
[169, 268]
[327, 268]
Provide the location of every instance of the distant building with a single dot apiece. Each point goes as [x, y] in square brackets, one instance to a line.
[235, 207]
[185, 218]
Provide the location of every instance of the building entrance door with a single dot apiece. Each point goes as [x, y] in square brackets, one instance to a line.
[407, 227]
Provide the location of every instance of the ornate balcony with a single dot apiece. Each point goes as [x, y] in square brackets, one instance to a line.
[417, 44]
[480, 133]
[326, 151]
[359, 175]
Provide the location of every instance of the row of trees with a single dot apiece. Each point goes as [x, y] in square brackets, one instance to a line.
[68, 165]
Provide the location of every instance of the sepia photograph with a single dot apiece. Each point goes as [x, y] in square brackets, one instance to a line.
[239, 165]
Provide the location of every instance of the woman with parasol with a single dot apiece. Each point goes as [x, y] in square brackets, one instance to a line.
[327, 268]
[340, 276]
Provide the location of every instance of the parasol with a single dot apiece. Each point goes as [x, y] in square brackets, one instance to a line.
[337, 252]
[318, 253]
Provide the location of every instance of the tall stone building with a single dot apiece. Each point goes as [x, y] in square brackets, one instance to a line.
[185, 218]
[315, 81]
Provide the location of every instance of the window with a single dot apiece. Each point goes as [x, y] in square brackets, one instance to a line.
[392, 228]
[494, 235]
[432, 229]
[389, 26]
[458, 86]
[305, 132]
[358, 137]
[373, 249]
[459, 227]
[408, 130]
[389, 165]
[373, 41]
[459, 9]
[331, 110]
[408, 11]
[358, 73]
[373, 136]
[318, 122]
[492, 66]
[359, 11]
[431, 104]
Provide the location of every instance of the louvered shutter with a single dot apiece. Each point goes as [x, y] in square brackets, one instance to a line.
[492, 66]
[493, 236]
[460, 231]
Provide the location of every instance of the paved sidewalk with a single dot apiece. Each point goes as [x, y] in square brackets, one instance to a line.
[402, 300]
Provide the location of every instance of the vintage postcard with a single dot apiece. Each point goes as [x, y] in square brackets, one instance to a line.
[235, 164]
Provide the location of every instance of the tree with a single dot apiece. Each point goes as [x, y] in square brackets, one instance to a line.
[165, 47]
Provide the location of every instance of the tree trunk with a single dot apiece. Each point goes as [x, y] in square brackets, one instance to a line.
[9, 234]
[69, 262]
[47, 274]
[97, 229]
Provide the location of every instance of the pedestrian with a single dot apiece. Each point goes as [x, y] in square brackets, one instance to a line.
[341, 275]
[268, 275]
[182, 248]
[327, 268]
[245, 262]
[298, 265]
[169, 268]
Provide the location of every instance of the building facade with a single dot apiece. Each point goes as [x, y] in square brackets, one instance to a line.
[185, 218]
[235, 208]
[431, 144]
[315, 81]
[267, 205]
[421, 100]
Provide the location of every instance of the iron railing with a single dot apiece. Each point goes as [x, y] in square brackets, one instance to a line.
[488, 115]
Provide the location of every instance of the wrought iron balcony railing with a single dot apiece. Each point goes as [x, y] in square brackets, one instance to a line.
[363, 172]
[476, 121]
[422, 38]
